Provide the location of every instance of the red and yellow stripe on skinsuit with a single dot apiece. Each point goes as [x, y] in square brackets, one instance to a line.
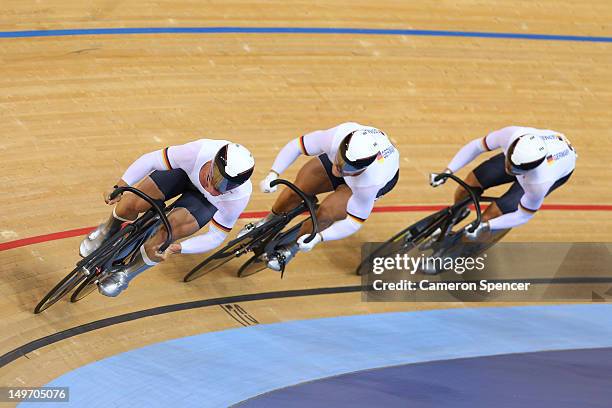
[166, 158]
[527, 209]
[303, 146]
[484, 144]
[358, 219]
[221, 227]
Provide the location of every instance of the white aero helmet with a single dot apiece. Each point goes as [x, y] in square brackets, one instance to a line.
[357, 151]
[526, 153]
[232, 166]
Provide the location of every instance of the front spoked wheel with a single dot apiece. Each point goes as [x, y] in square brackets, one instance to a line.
[72, 280]
[254, 265]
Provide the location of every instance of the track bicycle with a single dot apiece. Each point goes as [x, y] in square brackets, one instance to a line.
[435, 232]
[117, 249]
[263, 241]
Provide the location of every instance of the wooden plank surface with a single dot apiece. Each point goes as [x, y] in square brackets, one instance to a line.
[77, 110]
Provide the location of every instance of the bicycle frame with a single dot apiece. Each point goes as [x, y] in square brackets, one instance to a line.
[106, 254]
[262, 239]
[123, 242]
[118, 251]
[269, 244]
[444, 219]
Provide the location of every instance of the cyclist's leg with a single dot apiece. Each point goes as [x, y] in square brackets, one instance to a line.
[460, 246]
[493, 173]
[509, 202]
[183, 224]
[505, 204]
[131, 205]
[489, 173]
[331, 209]
[160, 185]
[315, 177]
[125, 211]
[191, 212]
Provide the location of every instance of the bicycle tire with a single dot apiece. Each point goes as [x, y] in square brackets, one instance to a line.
[210, 264]
[414, 229]
[218, 259]
[385, 250]
[122, 239]
[252, 266]
[235, 248]
[69, 282]
[84, 289]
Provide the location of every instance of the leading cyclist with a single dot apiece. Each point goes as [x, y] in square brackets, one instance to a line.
[212, 179]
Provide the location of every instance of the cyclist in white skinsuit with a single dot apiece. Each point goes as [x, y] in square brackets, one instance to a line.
[358, 163]
[212, 179]
[535, 161]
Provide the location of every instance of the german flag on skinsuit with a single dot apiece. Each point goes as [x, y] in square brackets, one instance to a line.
[550, 159]
[219, 226]
[380, 158]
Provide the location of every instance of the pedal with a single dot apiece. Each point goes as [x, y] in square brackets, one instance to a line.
[283, 263]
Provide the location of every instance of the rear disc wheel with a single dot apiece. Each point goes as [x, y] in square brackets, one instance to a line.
[217, 260]
[254, 265]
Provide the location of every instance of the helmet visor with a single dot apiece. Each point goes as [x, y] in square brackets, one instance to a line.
[346, 166]
[218, 177]
[219, 182]
[512, 169]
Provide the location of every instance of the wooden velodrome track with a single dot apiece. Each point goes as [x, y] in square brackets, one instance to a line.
[76, 110]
